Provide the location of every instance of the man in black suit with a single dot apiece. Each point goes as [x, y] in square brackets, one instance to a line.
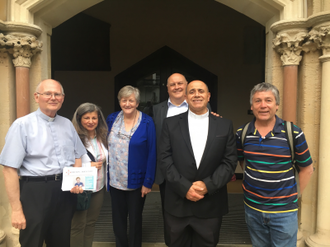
[176, 104]
[197, 156]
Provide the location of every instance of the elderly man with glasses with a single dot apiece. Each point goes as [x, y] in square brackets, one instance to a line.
[38, 146]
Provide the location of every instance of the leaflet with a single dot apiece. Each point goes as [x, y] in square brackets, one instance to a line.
[84, 177]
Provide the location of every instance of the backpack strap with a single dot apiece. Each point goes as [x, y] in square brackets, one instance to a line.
[288, 126]
[244, 130]
[243, 136]
[90, 155]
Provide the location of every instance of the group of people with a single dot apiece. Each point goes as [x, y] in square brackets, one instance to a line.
[189, 152]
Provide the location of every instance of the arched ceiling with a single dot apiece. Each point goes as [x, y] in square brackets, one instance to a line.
[259, 10]
[56, 12]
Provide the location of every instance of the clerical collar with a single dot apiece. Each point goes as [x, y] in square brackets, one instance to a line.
[195, 116]
[45, 117]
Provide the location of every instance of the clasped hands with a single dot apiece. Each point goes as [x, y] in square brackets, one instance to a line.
[197, 191]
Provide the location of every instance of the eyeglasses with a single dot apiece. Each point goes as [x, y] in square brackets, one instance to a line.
[49, 95]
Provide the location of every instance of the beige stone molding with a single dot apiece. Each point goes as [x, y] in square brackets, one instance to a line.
[23, 28]
[22, 47]
[15, 231]
[2, 238]
[318, 19]
[289, 44]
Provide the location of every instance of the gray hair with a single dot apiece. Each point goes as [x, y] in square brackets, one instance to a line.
[264, 87]
[101, 129]
[38, 86]
[128, 91]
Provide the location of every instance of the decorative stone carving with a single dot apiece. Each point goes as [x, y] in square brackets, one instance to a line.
[321, 37]
[309, 46]
[21, 47]
[3, 56]
[289, 45]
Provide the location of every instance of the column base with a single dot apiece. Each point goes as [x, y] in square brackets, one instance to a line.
[318, 240]
[2, 238]
[300, 239]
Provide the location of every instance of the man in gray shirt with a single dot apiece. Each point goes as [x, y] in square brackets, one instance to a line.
[37, 148]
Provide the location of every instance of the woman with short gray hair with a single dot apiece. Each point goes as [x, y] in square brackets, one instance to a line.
[132, 164]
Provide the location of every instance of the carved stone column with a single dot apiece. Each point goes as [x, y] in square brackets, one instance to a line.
[321, 36]
[288, 42]
[22, 47]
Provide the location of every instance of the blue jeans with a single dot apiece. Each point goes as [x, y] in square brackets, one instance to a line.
[272, 230]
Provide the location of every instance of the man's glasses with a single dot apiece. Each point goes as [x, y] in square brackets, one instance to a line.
[49, 95]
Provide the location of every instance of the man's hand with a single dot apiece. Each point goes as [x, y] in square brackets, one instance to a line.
[144, 191]
[215, 114]
[200, 187]
[77, 190]
[193, 193]
[18, 219]
[98, 165]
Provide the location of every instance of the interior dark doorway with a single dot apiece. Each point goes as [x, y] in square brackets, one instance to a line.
[151, 73]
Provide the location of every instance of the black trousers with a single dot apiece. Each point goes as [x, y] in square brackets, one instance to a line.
[162, 187]
[48, 211]
[192, 231]
[127, 204]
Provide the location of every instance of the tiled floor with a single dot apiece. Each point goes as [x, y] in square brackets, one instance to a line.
[233, 231]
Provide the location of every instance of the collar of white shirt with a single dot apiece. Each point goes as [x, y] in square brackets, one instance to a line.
[174, 110]
[195, 116]
[45, 117]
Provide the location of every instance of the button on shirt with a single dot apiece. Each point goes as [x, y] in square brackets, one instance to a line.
[38, 145]
[198, 131]
[174, 110]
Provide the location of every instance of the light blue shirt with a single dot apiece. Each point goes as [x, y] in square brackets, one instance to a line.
[38, 145]
[174, 110]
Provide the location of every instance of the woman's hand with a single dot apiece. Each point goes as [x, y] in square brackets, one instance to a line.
[98, 165]
[77, 190]
[144, 191]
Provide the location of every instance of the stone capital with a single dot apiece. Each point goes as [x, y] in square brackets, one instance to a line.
[320, 35]
[21, 46]
[289, 43]
[3, 56]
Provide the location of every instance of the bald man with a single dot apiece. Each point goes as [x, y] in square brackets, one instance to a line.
[197, 157]
[176, 104]
[38, 146]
